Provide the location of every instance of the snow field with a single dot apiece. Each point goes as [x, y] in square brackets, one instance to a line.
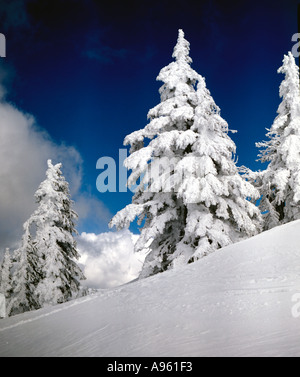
[235, 302]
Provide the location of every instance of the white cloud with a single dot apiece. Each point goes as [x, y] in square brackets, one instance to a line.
[108, 259]
[24, 151]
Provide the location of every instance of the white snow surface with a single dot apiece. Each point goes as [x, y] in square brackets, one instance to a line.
[234, 302]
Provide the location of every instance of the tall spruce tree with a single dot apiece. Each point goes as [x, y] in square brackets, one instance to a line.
[46, 272]
[279, 184]
[54, 222]
[191, 197]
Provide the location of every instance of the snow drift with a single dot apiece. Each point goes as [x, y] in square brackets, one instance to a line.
[238, 301]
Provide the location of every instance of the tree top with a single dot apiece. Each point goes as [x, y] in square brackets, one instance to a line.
[182, 49]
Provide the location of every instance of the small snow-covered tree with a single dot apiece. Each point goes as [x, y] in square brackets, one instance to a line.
[279, 184]
[5, 275]
[27, 274]
[54, 223]
[191, 196]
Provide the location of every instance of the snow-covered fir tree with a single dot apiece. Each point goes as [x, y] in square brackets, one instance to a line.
[46, 272]
[54, 223]
[5, 275]
[191, 196]
[279, 184]
[26, 276]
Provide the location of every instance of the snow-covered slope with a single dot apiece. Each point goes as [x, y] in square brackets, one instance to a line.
[235, 302]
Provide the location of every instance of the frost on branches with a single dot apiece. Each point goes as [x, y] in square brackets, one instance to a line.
[47, 273]
[5, 275]
[25, 277]
[280, 182]
[191, 197]
[54, 222]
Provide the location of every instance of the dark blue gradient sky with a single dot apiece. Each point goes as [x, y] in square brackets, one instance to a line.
[87, 69]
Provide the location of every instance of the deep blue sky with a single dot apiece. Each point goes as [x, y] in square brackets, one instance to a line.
[87, 69]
